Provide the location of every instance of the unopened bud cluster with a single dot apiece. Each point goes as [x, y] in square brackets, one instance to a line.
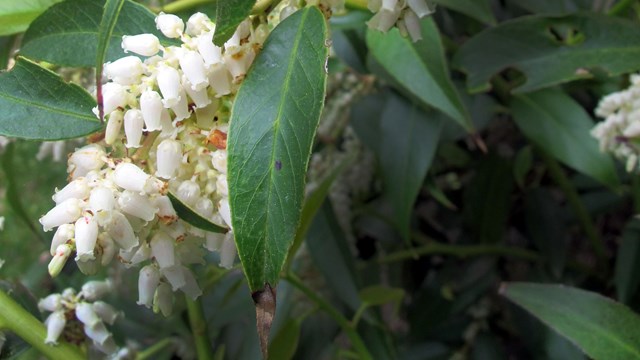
[84, 310]
[405, 14]
[619, 133]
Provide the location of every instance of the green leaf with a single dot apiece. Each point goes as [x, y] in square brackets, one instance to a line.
[38, 104]
[68, 33]
[110, 16]
[551, 50]
[522, 164]
[559, 125]
[186, 213]
[15, 16]
[413, 135]
[420, 68]
[284, 344]
[6, 45]
[229, 14]
[601, 327]
[627, 271]
[380, 295]
[273, 123]
[555, 6]
[477, 9]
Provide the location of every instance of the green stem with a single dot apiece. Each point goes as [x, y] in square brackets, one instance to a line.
[199, 328]
[19, 321]
[620, 7]
[576, 203]
[182, 5]
[357, 4]
[152, 350]
[344, 323]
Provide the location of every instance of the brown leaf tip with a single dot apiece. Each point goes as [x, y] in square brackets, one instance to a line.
[265, 301]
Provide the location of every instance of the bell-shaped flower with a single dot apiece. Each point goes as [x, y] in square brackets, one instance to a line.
[420, 7]
[114, 126]
[163, 299]
[222, 186]
[188, 192]
[168, 158]
[219, 161]
[228, 251]
[85, 159]
[162, 249]
[412, 23]
[192, 66]
[133, 125]
[170, 25]
[114, 96]
[169, 83]
[143, 44]
[86, 237]
[86, 315]
[211, 53]
[175, 276]
[108, 247]
[55, 325]
[105, 312]
[199, 97]
[121, 231]
[65, 212]
[166, 212]
[101, 199]
[63, 234]
[198, 23]
[125, 71]
[191, 287]
[78, 188]
[225, 211]
[95, 290]
[134, 204]
[148, 281]
[151, 107]
[98, 333]
[50, 303]
[213, 241]
[220, 80]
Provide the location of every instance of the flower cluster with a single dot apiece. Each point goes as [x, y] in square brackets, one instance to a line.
[81, 311]
[619, 133]
[405, 14]
[167, 122]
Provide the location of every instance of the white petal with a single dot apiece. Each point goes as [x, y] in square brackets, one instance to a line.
[144, 44]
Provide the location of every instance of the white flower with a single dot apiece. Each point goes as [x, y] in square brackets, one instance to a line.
[59, 259]
[166, 212]
[125, 71]
[134, 204]
[175, 276]
[162, 249]
[105, 312]
[114, 96]
[86, 235]
[219, 161]
[170, 25]
[420, 7]
[189, 192]
[192, 65]
[85, 159]
[101, 199]
[412, 23]
[198, 23]
[94, 290]
[105, 242]
[151, 107]
[225, 211]
[163, 299]
[85, 313]
[228, 251]
[148, 281]
[211, 54]
[121, 231]
[78, 189]
[144, 44]
[190, 287]
[55, 324]
[133, 124]
[50, 303]
[64, 233]
[169, 157]
[169, 84]
[199, 97]
[114, 124]
[66, 212]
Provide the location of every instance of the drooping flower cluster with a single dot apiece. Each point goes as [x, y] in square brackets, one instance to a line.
[167, 122]
[405, 14]
[619, 133]
[84, 311]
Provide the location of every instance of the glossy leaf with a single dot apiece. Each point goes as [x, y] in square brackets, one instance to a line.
[551, 50]
[477, 9]
[68, 33]
[38, 104]
[273, 123]
[601, 327]
[110, 16]
[15, 16]
[413, 136]
[559, 125]
[186, 213]
[627, 270]
[419, 68]
[229, 14]
[6, 43]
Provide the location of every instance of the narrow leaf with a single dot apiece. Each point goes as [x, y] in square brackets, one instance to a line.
[551, 50]
[627, 271]
[557, 123]
[38, 104]
[186, 213]
[379, 295]
[477, 9]
[413, 135]
[601, 327]
[68, 33]
[229, 14]
[273, 123]
[107, 24]
[15, 16]
[420, 68]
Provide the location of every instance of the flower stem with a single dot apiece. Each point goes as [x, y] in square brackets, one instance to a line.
[199, 328]
[19, 321]
[346, 326]
[152, 350]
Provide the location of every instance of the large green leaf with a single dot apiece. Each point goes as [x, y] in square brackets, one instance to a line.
[551, 50]
[68, 33]
[37, 104]
[15, 16]
[627, 271]
[273, 123]
[556, 123]
[413, 135]
[419, 68]
[110, 16]
[229, 14]
[602, 328]
[477, 9]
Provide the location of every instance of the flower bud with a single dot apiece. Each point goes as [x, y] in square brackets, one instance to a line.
[51, 303]
[121, 231]
[114, 96]
[136, 205]
[211, 54]
[219, 161]
[168, 158]
[190, 288]
[163, 299]
[94, 290]
[175, 276]
[64, 233]
[170, 25]
[130, 177]
[228, 251]
[192, 66]
[86, 237]
[166, 212]
[148, 281]
[59, 259]
[144, 44]
[78, 188]
[55, 324]
[169, 84]
[162, 249]
[198, 23]
[66, 212]
[125, 71]
[189, 192]
[133, 124]
[105, 312]
[114, 124]
[151, 107]
[85, 313]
